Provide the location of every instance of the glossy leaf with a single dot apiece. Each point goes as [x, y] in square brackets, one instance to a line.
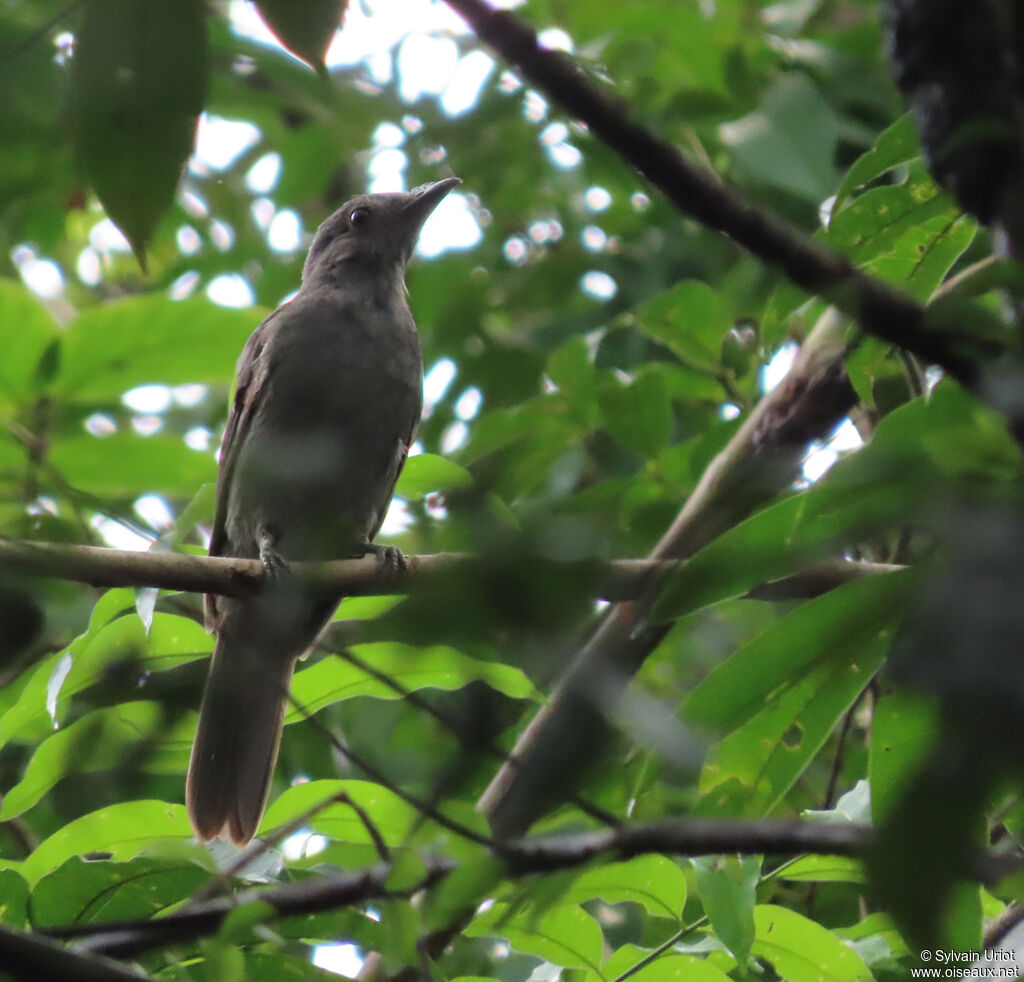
[895, 145]
[145, 340]
[654, 882]
[26, 333]
[425, 472]
[88, 891]
[667, 968]
[123, 830]
[171, 641]
[749, 771]
[802, 950]
[97, 741]
[825, 869]
[305, 29]
[825, 630]
[13, 899]
[139, 82]
[789, 142]
[691, 319]
[727, 891]
[123, 463]
[565, 936]
[391, 816]
[438, 667]
[638, 414]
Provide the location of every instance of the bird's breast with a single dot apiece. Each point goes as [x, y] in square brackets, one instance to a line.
[340, 396]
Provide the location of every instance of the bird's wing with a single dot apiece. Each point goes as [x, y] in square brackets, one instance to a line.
[387, 492]
[251, 376]
[401, 453]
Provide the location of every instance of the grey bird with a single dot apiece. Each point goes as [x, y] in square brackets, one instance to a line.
[327, 400]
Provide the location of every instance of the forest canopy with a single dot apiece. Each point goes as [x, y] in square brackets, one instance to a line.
[706, 660]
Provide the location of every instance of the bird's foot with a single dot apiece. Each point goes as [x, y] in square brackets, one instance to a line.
[273, 561]
[390, 559]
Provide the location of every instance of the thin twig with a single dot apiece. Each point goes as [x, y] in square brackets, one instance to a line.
[471, 742]
[423, 807]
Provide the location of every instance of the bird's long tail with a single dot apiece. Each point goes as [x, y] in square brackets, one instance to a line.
[240, 724]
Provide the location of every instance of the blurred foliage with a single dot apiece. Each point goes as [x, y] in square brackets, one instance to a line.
[592, 351]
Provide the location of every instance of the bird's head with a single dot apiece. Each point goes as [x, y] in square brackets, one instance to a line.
[377, 231]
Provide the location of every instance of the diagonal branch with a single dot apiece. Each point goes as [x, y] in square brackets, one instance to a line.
[28, 957]
[762, 459]
[881, 309]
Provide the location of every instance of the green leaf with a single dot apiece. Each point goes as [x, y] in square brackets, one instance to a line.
[124, 465]
[463, 890]
[116, 346]
[877, 926]
[638, 414]
[390, 815]
[222, 961]
[919, 261]
[829, 629]
[93, 743]
[572, 370]
[565, 936]
[874, 222]
[654, 882]
[171, 641]
[110, 605]
[13, 899]
[88, 892]
[801, 950]
[26, 333]
[138, 84]
[123, 830]
[791, 141]
[825, 869]
[690, 319]
[904, 729]
[666, 968]
[896, 144]
[401, 928]
[727, 886]
[916, 448]
[911, 774]
[749, 771]
[428, 472]
[240, 924]
[437, 667]
[305, 29]
[864, 363]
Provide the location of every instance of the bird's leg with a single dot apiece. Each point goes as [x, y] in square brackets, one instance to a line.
[272, 560]
[390, 559]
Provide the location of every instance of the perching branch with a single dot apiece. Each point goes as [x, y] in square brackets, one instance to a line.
[680, 837]
[234, 577]
[619, 579]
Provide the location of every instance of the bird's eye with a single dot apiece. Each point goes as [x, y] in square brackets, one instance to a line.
[358, 217]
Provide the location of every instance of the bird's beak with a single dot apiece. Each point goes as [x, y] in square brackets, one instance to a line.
[424, 199]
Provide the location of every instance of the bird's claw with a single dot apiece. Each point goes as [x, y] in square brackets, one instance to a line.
[273, 562]
[390, 559]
